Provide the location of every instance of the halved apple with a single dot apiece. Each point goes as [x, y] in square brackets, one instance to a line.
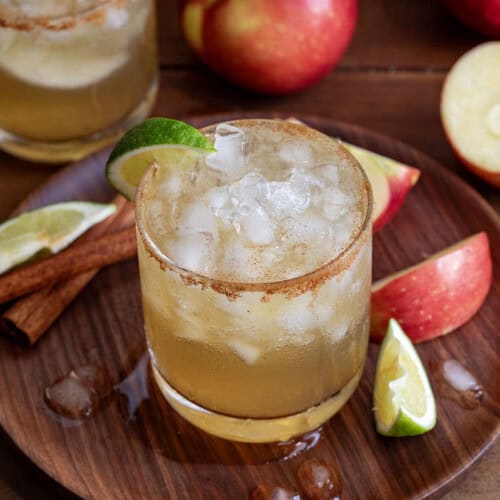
[390, 181]
[436, 296]
[470, 110]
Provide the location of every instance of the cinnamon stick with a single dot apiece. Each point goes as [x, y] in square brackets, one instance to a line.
[75, 260]
[32, 315]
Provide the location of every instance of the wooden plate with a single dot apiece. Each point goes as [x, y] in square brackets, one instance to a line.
[149, 452]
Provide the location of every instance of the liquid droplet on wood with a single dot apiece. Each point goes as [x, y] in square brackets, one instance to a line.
[319, 481]
[268, 491]
[134, 387]
[80, 393]
[286, 450]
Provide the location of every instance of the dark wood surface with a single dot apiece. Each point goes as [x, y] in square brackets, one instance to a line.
[389, 80]
[153, 453]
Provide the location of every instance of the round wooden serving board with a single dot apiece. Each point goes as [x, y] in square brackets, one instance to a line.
[152, 453]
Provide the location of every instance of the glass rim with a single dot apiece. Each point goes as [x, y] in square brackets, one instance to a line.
[293, 286]
[14, 18]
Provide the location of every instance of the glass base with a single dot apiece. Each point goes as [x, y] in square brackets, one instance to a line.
[72, 150]
[266, 430]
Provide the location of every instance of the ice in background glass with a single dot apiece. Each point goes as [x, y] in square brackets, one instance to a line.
[74, 74]
[255, 266]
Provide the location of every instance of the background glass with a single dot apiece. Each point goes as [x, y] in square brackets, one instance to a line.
[74, 75]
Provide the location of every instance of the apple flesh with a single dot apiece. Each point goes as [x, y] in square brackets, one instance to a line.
[470, 110]
[272, 46]
[436, 296]
[390, 181]
[481, 15]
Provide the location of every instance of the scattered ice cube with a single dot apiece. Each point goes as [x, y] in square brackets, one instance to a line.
[197, 218]
[458, 376]
[295, 152]
[193, 251]
[228, 158]
[79, 393]
[247, 352]
[257, 227]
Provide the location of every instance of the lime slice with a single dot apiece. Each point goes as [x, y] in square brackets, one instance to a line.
[156, 140]
[403, 400]
[50, 228]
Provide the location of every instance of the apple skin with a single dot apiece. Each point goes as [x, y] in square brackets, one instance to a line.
[400, 183]
[390, 180]
[436, 296]
[481, 15]
[271, 46]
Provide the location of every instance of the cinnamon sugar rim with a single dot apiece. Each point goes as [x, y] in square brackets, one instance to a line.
[15, 19]
[292, 286]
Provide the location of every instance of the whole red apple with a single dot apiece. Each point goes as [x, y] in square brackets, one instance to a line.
[481, 15]
[271, 46]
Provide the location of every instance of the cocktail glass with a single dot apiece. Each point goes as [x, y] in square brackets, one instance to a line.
[259, 360]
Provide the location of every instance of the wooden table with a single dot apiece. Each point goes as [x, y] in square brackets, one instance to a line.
[389, 80]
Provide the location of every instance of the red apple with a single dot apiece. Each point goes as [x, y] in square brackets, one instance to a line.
[271, 46]
[436, 296]
[470, 110]
[482, 15]
[390, 181]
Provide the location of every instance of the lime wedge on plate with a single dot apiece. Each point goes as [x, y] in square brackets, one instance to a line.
[156, 140]
[49, 228]
[403, 400]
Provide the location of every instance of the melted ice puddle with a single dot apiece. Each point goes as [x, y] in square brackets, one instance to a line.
[134, 387]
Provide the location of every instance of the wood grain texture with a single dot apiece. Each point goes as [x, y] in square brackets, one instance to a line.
[157, 454]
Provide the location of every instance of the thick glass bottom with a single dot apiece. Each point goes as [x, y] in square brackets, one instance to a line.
[256, 430]
[72, 150]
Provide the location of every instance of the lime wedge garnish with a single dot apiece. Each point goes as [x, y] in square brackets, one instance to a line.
[50, 228]
[156, 140]
[403, 400]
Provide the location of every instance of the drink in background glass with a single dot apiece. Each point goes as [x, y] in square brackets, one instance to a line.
[74, 74]
[255, 266]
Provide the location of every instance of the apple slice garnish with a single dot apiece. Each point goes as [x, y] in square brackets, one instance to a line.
[470, 110]
[390, 181]
[436, 296]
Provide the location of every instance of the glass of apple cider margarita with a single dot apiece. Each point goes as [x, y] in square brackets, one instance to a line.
[255, 265]
[74, 74]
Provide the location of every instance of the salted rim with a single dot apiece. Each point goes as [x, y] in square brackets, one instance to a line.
[11, 17]
[292, 286]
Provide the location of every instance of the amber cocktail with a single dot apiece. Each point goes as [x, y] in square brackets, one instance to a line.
[255, 266]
